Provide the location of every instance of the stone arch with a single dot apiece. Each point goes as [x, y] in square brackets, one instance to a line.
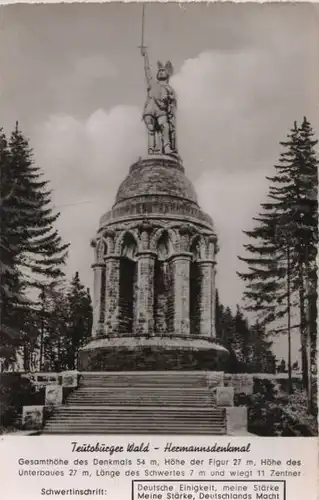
[164, 247]
[128, 236]
[129, 246]
[172, 236]
[108, 237]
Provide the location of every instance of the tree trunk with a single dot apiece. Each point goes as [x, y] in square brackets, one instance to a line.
[26, 365]
[308, 337]
[303, 336]
[289, 321]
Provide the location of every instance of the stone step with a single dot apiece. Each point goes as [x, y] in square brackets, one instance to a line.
[143, 410]
[148, 379]
[155, 388]
[141, 396]
[145, 390]
[133, 420]
[157, 410]
[107, 416]
[130, 430]
[136, 420]
[138, 411]
[142, 402]
[139, 403]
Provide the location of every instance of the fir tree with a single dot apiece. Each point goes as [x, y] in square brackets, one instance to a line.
[282, 256]
[79, 319]
[41, 253]
[11, 289]
[243, 338]
[54, 314]
[31, 249]
[226, 334]
[294, 195]
[249, 347]
[66, 315]
[262, 358]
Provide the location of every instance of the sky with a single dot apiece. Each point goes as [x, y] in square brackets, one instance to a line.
[72, 75]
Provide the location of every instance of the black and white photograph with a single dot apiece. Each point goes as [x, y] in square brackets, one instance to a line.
[159, 219]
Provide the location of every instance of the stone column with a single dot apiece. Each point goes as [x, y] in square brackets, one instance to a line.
[180, 265]
[112, 294]
[207, 299]
[98, 270]
[145, 293]
[213, 330]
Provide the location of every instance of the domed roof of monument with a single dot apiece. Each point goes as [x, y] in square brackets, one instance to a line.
[156, 176]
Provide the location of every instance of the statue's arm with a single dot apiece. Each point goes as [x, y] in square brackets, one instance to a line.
[147, 67]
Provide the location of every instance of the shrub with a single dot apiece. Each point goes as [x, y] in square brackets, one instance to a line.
[273, 412]
[16, 392]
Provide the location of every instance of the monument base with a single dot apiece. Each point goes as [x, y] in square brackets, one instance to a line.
[152, 353]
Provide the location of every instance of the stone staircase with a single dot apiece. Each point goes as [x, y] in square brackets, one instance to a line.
[140, 403]
[141, 396]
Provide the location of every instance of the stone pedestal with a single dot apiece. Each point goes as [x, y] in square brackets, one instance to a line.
[215, 379]
[236, 420]
[224, 396]
[32, 417]
[70, 378]
[135, 353]
[53, 395]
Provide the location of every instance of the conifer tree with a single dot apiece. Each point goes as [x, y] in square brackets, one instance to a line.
[41, 253]
[9, 248]
[54, 315]
[243, 337]
[262, 359]
[32, 252]
[79, 319]
[281, 265]
[11, 289]
[294, 194]
[249, 347]
[67, 324]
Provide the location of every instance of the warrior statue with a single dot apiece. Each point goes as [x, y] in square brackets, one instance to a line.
[160, 109]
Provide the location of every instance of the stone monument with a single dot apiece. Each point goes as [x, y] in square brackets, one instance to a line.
[154, 259]
[153, 365]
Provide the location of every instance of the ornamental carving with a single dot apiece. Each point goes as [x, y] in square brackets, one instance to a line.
[172, 236]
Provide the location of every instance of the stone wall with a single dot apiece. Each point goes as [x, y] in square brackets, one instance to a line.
[150, 358]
